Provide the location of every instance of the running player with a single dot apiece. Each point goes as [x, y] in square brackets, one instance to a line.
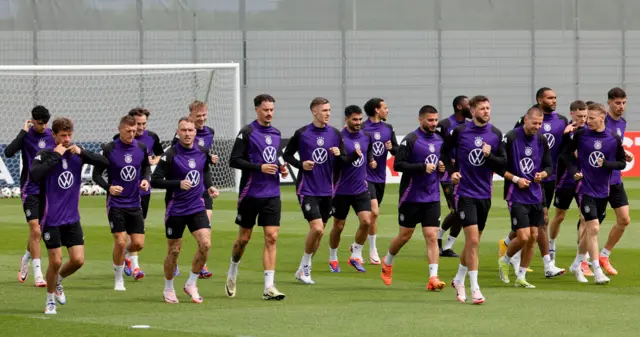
[418, 159]
[384, 142]
[34, 137]
[59, 172]
[350, 190]
[184, 171]
[528, 164]
[445, 127]
[255, 153]
[600, 152]
[479, 152]
[128, 174]
[317, 144]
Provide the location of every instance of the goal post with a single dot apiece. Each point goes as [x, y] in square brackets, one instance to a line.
[96, 96]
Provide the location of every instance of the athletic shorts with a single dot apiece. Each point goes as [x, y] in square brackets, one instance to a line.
[267, 210]
[341, 204]
[31, 207]
[144, 203]
[128, 220]
[208, 201]
[376, 191]
[447, 190]
[175, 225]
[425, 213]
[548, 187]
[525, 215]
[618, 196]
[315, 207]
[66, 235]
[473, 211]
[592, 208]
[564, 197]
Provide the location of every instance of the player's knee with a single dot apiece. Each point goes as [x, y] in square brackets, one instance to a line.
[77, 260]
[174, 251]
[593, 229]
[473, 241]
[35, 232]
[624, 221]
[366, 222]
[432, 237]
[338, 225]
[524, 235]
[317, 231]
[204, 245]
[120, 241]
[374, 214]
[55, 262]
[136, 246]
[270, 238]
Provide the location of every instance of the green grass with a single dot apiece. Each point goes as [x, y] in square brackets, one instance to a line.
[344, 304]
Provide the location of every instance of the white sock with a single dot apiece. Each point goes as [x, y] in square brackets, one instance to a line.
[604, 253]
[576, 263]
[473, 279]
[268, 279]
[388, 260]
[462, 274]
[51, 297]
[586, 256]
[357, 251]
[26, 257]
[517, 255]
[433, 269]
[168, 284]
[233, 269]
[552, 244]
[522, 273]
[134, 262]
[506, 258]
[546, 260]
[37, 270]
[333, 254]
[441, 233]
[449, 244]
[193, 277]
[372, 243]
[595, 263]
[119, 270]
[306, 260]
[60, 278]
[507, 241]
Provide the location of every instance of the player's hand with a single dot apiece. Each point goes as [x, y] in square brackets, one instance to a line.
[359, 152]
[577, 176]
[600, 162]
[441, 167]
[307, 165]
[214, 158]
[575, 154]
[154, 160]
[213, 192]
[628, 156]
[144, 185]
[388, 145]
[336, 151]
[60, 149]
[431, 168]
[523, 183]
[570, 128]
[115, 190]
[75, 149]
[284, 171]
[373, 164]
[185, 185]
[486, 149]
[540, 176]
[27, 125]
[455, 177]
[269, 168]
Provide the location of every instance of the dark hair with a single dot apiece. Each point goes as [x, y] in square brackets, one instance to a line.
[534, 111]
[458, 101]
[61, 124]
[127, 120]
[318, 101]
[427, 109]
[616, 93]
[352, 109]
[185, 119]
[589, 103]
[475, 100]
[371, 106]
[578, 105]
[263, 98]
[40, 113]
[540, 93]
[139, 112]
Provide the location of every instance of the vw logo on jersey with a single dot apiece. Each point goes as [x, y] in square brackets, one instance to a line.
[432, 148]
[320, 141]
[65, 180]
[192, 163]
[128, 158]
[201, 142]
[526, 165]
[478, 141]
[547, 127]
[476, 157]
[193, 177]
[378, 149]
[551, 140]
[128, 173]
[376, 136]
[64, 164]
[358, 162]
[528, 151]
[269, 154]
[43, 143]
[319, 155]
[593, 158]
[597, 145]
[619, 132]
[431, 159]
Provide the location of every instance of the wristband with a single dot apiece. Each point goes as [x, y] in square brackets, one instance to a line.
[515, 179]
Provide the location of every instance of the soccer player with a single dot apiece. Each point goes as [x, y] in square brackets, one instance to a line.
[255, 153]
[479, 151]
[418, 159]
[318, 144]
[445, 127]
[59, 172]
[350, 189]
[184, 171]
[617, 100]
[198, 113]
[384, 141]
[554, 126]
[600, 152]
[34, 137]
[528, 164]
[128, 175]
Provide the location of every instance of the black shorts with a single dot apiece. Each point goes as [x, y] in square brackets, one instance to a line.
[341, 204]
[208, 201]
[592, 208]
[128, 220]
[564, 197]
[267, 210]
[548, 187]
[425, 213]
[144, 203]
[66, 235]
[473, 211]
[376, 191]
[31, 207]
[175, 225]
[524, 215]
[618, 196]
[447, 190]
[315, 208]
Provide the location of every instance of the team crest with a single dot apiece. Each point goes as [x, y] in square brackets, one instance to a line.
[515, 221]
[28, 212]
[432, 148]
[547, 127]
[478, 141]
[320, 141]
[42, 143]
[64, 164]
[587, 209]
[128, 158]
[619, 132]
[47, 236]
[528, 151]
[401, 217]
[169, 231]
[461, 215]
[356, 145]
[201, 142]
[267, 139]
[192, 163]
[307, 207]
[376, 135]
[597, 145]
[239, 217]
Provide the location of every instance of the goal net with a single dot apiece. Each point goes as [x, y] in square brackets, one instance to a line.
[96, 97]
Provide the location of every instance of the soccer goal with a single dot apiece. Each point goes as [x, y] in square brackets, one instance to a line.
[95, 97]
